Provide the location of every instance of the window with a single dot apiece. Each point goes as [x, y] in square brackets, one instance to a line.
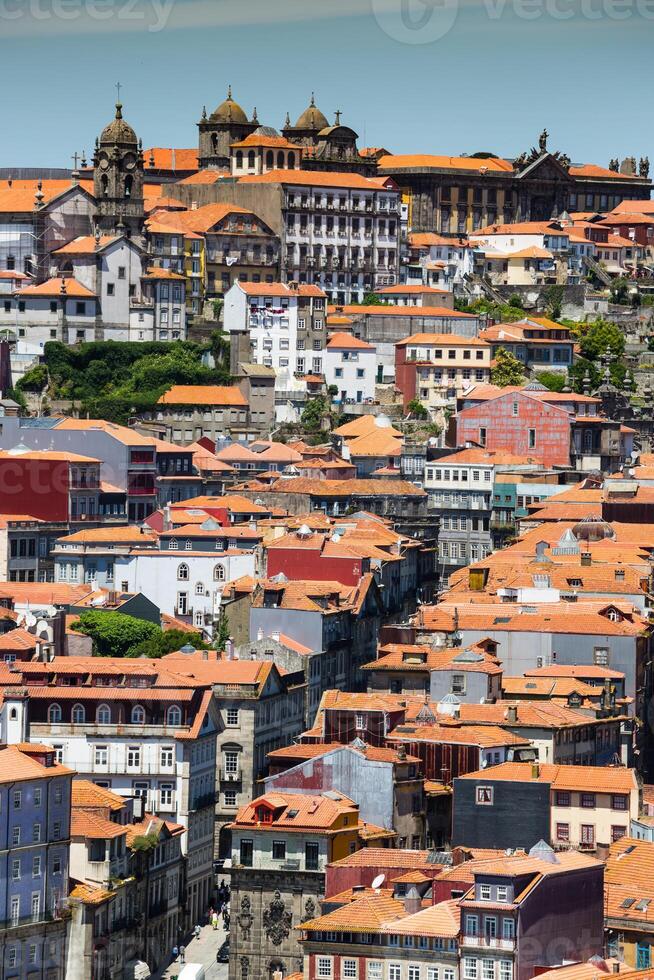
[182, 572]
[413, 972]
[432, 973]
[324, 966]
[232, 716]
[488, 969]
[394, 969]
[469, 968]
[458, 684]
[36, 833]
[601, 656]
[165, 794]
[485, 893]
[311, 856]
[174, 715]
[349, 969]
[279, 850]
[532, 438]
[562, 799]
[101, 755]
[506, 970]
[31, 955]
[15, 869]
[502, 893]
[231, 762]
[472, 925]
[103, 714]
[133, 756]
[12, 952]
[138, 715]
[111, 289]
[37, 797]
[490, 926]
[484, 796]
[230, 797]
[587, 835]
[17, 799]
[246, 852]
[375, 970]
[508, 929]
[199, 588]
[588, 801]
[78, 715]
[167, 756]
[618, 802]
[219, 573]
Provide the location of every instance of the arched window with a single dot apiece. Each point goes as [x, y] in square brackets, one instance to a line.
[219, 573]
[280, 159]
[291, 161]
[78, 714]
[214, 141]
[182, 573]
[54, 713]
[129, 180]
[13, 714]
[199, 588]
[105, 185]
[103, 714]
[239, 159]
[174, 715]
[270, 159]
[251, 159]
[138, 715]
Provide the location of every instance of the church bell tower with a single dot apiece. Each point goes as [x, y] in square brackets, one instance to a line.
[118, 179]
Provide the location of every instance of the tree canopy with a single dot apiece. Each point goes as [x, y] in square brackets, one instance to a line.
[117, 635]
[508, 369]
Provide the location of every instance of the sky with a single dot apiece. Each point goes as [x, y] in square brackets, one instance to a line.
[428, 76]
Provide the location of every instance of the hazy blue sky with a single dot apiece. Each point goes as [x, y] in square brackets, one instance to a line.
[491, 82]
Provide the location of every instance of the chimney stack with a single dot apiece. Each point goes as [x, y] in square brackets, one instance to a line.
[412, 901]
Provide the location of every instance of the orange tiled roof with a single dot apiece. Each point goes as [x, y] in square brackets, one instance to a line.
[130, 534]
[592, 170]
[345, 341]
[19, 196]
[446, 339]
[367, 914]
[345, 488]
[84, 823]
[84, 793]
[406, 310]
[426, 161]
[86, 245]
[58, 287]
[203, 395]
[441, 920]
[598, 779]
[363, 425]
[170, 158]
[298, 812]
[280, 289]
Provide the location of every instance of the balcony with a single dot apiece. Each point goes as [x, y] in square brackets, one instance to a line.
[229, 776]
[487, 942]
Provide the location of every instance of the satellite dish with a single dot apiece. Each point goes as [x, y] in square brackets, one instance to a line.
[379, 881]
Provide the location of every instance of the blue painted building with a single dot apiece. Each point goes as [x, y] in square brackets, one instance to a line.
[35, 794]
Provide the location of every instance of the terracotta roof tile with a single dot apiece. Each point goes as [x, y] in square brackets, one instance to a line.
[203, 395]
[598, 779]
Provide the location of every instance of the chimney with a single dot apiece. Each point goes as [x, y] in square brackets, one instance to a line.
[275, 635]
[260, 633]
[616, 967]
[412, 901]
[512, 713]
[586, 558]
[401, 752]
[358, 888]
[229, 649]
[167, 520]
[535, 770]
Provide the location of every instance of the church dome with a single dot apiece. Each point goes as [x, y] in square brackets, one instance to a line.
[118, 131]
[312, 118]
[229, 111]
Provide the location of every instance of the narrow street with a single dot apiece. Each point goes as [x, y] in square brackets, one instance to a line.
[202, 950]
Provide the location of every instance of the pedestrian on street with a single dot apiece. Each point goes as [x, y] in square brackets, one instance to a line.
[197, 931]
[214, 921]
[182, 954]
[175, 952]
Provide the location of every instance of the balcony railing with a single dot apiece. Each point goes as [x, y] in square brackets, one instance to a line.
[229, 776]
[488, 942]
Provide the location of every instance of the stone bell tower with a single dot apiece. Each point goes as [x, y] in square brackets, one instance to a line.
[118, 179]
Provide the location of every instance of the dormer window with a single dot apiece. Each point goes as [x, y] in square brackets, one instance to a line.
[264, 814]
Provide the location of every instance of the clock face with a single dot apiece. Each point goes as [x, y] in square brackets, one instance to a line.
[130, 161]
[104, 163]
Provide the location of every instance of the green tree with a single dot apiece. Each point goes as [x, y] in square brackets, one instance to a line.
[508, 370]
[313, 413]
[417, 409]
[599, 338]
[36, 379]
[554, 300]
[373, 299]
[222, 633]
[113, 633]
[554, 380]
